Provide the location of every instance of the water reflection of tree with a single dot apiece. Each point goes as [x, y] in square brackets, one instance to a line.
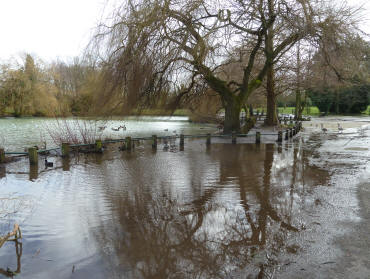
[262, 228]
[10, 206]
[155, 236]
[18, 251]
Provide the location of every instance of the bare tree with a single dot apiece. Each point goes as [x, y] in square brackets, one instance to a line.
[318, 20]
[152, 45]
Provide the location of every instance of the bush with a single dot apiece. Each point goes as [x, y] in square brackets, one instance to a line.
[74, 131]
[353, 99]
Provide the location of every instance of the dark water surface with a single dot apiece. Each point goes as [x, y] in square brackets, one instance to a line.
[228, 211]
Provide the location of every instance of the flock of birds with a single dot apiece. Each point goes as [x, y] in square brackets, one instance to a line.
[170, 142]
[123, 127]
[360, 130]
[119, 128]
[325, 130]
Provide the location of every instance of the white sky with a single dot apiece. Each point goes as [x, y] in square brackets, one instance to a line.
[52, 29]
[47, 28]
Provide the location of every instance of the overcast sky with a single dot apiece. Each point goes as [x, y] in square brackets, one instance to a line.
[53, 29]
[47, 28]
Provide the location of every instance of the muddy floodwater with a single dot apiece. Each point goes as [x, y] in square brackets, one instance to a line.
[296, 210]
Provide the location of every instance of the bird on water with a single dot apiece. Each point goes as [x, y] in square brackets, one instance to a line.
[48, 164]
[323, 128]
[340, 128]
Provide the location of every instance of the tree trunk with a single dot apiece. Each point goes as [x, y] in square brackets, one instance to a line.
[232, 116]
[298, 97]
[298, 104]
[271, 119]
[251, 114]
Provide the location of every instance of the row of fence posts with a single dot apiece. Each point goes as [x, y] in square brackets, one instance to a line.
[98, 146]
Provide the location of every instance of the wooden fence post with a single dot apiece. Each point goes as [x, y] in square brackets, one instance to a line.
[280, 136]
[33, 156]
[98, 146]
[258, 137]
[65, 163]
[128, 143]
[65, 149]
[154, 141]
[182, 142]
[233, 137]
[34, 171]
[208, 142]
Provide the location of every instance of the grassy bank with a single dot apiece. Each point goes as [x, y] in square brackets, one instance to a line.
[367, 111]
[311, 110]
[307, 111]
[161, 112]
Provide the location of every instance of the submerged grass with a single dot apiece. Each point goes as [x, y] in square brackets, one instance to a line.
[74, 131]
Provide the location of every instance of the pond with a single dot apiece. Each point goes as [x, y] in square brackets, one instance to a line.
[16, 134]
[223, 211]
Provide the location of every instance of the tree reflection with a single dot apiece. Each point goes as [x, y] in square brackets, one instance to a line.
[18, 251]
[154, 235]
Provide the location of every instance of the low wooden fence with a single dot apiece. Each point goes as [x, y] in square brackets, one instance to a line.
[97, 147]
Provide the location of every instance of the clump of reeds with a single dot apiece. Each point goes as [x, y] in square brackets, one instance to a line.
[73, 131]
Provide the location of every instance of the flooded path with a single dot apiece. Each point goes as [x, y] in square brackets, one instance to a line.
[296, 210]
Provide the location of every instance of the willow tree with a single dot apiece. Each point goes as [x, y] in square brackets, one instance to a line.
[150, 45]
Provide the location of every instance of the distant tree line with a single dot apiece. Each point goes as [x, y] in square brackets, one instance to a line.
[33, 88]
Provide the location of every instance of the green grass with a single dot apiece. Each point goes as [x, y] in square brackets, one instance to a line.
[311, 110]
[181, 112]
[367, 111]
[161, 112]
[306, 111]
